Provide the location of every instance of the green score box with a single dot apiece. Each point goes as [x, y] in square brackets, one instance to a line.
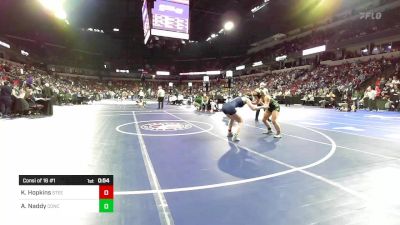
[106, 205]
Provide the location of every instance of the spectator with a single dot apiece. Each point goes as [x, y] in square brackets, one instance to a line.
[370, 95]
[5, 99]
[20, 106]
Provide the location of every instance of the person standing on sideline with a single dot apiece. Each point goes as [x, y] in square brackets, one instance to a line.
[5, 99]
[141, 97]
[263, 90]
[160, 96]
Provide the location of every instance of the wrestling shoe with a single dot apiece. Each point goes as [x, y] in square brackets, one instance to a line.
[235, 137]
[278, 136]
[230, 134]
[268, 132]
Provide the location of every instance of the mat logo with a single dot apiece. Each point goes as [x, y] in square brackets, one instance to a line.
[166, 126]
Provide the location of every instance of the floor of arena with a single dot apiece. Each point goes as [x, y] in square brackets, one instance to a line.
[176, 165]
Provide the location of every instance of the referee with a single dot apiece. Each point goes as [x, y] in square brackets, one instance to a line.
[264, 90]
[160, 96]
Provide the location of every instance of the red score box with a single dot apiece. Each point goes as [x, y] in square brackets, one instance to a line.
[106, 192]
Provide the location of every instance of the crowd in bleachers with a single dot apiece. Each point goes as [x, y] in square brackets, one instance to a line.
[341, 86]
[336, 84]
[26, 90]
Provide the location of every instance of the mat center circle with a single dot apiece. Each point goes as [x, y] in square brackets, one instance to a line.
[166, 126]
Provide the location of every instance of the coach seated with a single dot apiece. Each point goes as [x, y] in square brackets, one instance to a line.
[20, 104]
[213, 106]
[220, 100]
[308, 99]
[31, 95]
[311, 99]
[172, 99]
[45, 98]
[328, 101]
[189, 100]
[66, 97]
[83, 97]
[304, 99]
[198, 101]
[205, 102]
[179, 100]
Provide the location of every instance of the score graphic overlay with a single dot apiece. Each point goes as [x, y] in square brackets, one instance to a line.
[66, 193]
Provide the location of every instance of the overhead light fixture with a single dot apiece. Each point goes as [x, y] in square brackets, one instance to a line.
[281, 58]
[260, 63]
[314, 50]
[213, 72]
[217, 72]
[259, 7]
[55, 7]
[95, 30]
[122, 71]
[4, 44]
[24, 53]
[192, 73]
[229, 25]
[115, 29]
[61, 14]
[163, 73]
[241, 67]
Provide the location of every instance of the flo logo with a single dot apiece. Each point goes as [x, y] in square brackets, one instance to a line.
[370, 15]
[166, 126]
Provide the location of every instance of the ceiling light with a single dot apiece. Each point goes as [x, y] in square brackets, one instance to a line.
[229, 25]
